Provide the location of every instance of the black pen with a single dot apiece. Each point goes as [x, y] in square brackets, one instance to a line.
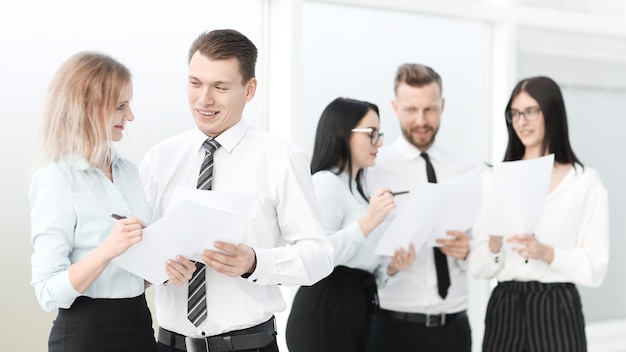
[399, 193]
[118, 217]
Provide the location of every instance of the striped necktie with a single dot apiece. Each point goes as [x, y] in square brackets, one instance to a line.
[441, 262]
[196, 295]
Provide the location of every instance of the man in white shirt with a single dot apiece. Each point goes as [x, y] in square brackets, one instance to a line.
[424, 308]
[240, 291]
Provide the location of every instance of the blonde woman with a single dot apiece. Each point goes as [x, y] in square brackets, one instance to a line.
[82, 183]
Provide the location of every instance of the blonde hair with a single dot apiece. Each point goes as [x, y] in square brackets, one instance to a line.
[80, 109]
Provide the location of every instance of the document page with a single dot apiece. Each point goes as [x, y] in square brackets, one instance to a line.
[517, 195]
[194, 220]
[433, 209]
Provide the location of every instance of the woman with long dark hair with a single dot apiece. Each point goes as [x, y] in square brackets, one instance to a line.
[536, 306]
[334, 314]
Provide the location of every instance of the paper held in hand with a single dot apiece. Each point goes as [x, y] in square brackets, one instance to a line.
[433, 209]
[517, 196]
[193, 221]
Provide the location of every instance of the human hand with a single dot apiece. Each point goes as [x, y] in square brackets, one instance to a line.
[458, 247]
[236, 261]
[380, 204]
[179, 271]
[495, 243]
[530, 247]
[126, 232]
[401, 259]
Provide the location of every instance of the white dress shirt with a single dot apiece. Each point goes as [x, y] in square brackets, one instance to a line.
[340, 214]
[400, 167]
[575, 221]
[278, 173]
[71, 206]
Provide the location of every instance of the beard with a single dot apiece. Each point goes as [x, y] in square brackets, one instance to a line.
[420, 143]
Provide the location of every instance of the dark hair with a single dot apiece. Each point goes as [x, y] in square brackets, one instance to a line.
[332, 138]
[556, 138]
[416, 75]
[222, 44]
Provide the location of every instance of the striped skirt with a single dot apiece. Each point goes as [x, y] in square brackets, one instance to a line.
[534, 316]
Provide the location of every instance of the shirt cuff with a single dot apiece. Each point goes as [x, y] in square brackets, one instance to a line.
[265, 264]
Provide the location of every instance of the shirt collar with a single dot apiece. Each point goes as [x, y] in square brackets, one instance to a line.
[81, 163]
[409, 151]
[227, 139]
[341, 174]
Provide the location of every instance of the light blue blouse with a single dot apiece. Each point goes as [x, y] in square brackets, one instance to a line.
[71, 206]
[340, 214]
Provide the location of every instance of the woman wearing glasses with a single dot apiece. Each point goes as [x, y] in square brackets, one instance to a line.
[333, 315]
[536, 306]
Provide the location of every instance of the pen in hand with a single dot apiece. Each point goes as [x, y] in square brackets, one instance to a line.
[399, 193]
[117, 217]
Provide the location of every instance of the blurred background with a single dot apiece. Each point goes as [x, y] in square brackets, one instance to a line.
[310, 53]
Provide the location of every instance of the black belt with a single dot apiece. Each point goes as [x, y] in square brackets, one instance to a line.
[430, 320]
[251, 338]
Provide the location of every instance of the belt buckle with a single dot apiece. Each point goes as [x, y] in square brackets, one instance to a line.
[194, 344]
[430, 323]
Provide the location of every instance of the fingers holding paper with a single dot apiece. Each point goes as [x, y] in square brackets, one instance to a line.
[401, 259]
[179, 271]
[234, 260]
[529, 247]
[458, 247]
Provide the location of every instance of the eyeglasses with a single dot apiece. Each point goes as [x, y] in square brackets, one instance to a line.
[375, 136]
[529, 114]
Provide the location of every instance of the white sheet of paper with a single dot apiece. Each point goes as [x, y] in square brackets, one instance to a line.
[433, 209]
[235, 202]
[180, 232]
[517, 196]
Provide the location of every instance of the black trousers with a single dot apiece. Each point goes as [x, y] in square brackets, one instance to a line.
[121, 325]
[533, 317]
[334, 314]
[388, 334]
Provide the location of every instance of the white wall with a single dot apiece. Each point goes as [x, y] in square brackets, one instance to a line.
[356, 51]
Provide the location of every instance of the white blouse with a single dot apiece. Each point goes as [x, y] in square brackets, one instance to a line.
[71, 206]
[575, 222]
[340, 212]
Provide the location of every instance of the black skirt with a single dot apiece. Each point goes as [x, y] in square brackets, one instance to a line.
[334, 314]
[103, 325]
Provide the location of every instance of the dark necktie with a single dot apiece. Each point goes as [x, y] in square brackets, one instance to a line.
[441, 262]
[196, 295]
